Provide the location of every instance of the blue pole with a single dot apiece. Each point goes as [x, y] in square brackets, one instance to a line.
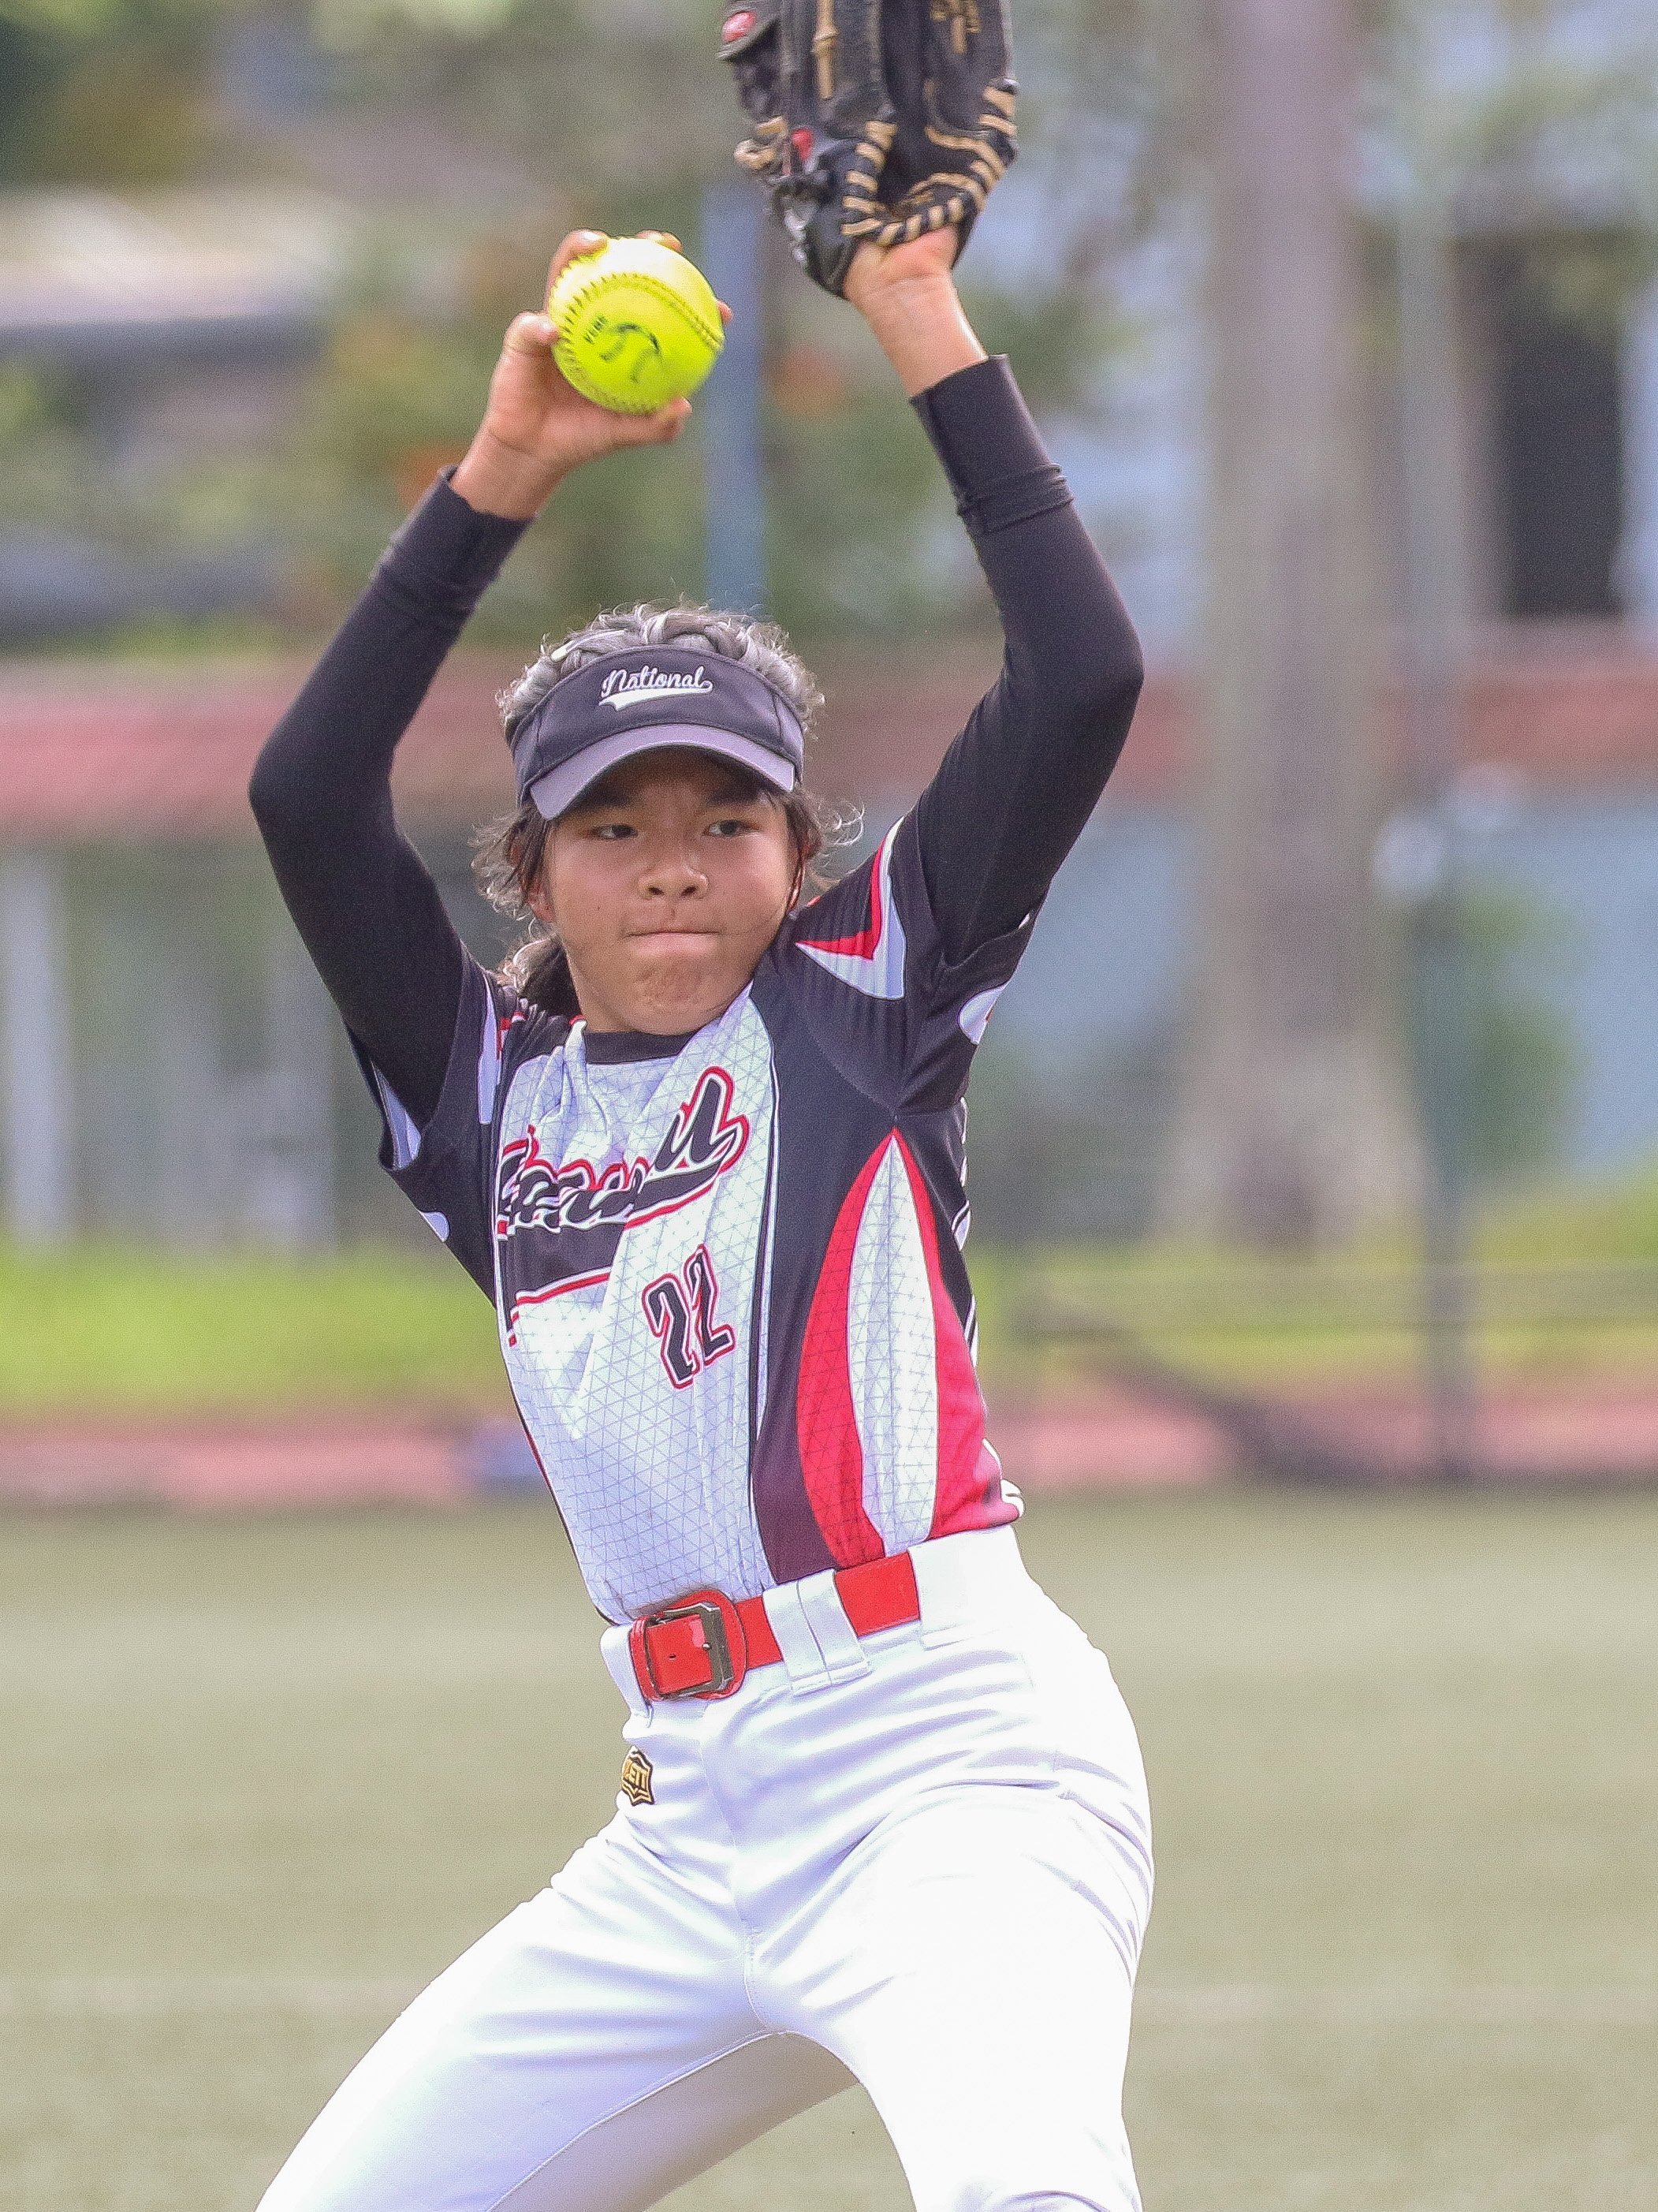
[729, 405]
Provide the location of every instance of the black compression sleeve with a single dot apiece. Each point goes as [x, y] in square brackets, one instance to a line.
[1015, 787]
[360, 894]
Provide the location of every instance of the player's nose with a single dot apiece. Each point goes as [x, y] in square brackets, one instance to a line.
[672, 871]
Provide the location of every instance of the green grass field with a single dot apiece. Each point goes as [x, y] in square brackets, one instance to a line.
[257, 1778]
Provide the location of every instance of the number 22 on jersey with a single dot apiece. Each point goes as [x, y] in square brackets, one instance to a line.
[680, 1309]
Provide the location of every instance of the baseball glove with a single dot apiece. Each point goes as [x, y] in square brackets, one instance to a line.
[873, 119]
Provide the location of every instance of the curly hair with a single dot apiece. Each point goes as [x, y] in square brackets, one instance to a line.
[511, 854]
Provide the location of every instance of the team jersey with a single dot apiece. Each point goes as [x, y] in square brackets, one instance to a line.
[728, 1267]
[728, 1272]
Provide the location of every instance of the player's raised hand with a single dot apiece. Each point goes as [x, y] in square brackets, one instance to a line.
[925, 260]
[536, 427]
[908, 296]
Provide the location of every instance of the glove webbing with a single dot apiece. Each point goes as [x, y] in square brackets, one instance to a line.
[868, 219]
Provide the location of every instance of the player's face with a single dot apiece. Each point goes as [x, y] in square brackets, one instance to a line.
[666, 882]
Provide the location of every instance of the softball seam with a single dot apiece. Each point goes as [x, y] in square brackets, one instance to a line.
[665, 293]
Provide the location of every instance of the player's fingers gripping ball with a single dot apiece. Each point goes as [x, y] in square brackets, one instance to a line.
[638, 325]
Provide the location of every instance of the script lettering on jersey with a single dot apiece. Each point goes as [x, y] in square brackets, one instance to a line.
[704, 1139]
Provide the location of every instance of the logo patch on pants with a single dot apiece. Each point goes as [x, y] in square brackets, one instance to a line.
[636, 1778]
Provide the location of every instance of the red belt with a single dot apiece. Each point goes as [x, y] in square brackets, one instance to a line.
[703, 1644]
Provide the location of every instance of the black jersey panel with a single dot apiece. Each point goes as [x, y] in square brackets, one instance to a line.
[826, 1128]
[868, 968]
[448, 1166]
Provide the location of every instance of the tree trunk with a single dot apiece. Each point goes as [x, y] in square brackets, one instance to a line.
[1292, 1128]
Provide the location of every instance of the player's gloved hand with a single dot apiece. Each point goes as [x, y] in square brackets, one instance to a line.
[536, 426]
[876, 120]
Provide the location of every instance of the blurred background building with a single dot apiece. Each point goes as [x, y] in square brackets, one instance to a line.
[252, 265]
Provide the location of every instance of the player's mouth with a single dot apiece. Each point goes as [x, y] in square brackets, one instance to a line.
[674, 950]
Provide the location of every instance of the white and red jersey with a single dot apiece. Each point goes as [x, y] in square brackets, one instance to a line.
[728, 1269]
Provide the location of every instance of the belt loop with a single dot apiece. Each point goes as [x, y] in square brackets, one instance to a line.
[803, 1662]
[844, 1656]
[818, 1642]
[618, 1659]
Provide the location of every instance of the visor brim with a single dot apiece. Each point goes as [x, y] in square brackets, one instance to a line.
[558, 790]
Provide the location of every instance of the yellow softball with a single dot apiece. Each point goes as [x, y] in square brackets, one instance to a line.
[637, 325]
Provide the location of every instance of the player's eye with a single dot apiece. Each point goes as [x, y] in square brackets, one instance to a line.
[729, 826]
[613, 830]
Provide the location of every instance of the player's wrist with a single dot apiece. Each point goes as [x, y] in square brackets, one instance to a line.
[920, 325]
[498, 478]
[881, 295]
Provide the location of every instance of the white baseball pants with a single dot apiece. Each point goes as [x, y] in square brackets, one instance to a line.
[921, 1860]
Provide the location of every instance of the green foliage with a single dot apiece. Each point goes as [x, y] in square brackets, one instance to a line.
[242, 1334]
[1613, 1218]
[1058, 1153]
[586, 105]
[1547, 117]
[1058, 335]
[25, 411]
[579, 109]
[398, 394]
[1492, 1044]
[1524, 1065]
[851, 492]
[1587, 279]
[105, 92]
[49, 477]
[588, 93]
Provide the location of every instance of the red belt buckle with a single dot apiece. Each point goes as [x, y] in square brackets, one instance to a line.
[694, 1648]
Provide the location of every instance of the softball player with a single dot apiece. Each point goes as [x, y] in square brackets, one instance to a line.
[882, 1814]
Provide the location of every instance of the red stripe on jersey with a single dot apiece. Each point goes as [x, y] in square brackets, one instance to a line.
[825, 1427]
[866, 944]
[961, 1454]
[553, 1291]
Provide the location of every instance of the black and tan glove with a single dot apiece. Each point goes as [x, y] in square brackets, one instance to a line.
[873, 120]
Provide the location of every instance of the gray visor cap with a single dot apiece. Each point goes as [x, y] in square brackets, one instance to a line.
[642, 701]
